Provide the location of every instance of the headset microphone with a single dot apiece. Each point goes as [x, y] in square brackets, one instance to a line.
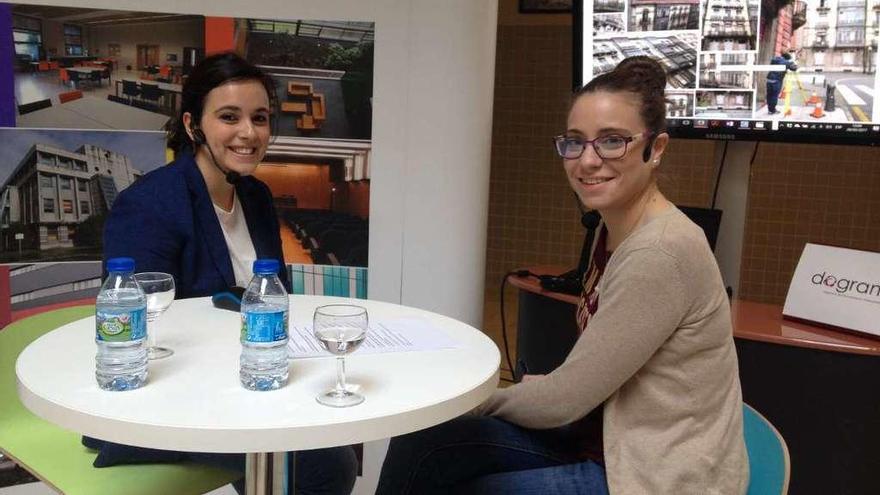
[232, 176]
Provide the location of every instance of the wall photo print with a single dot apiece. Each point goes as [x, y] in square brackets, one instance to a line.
[88, 94]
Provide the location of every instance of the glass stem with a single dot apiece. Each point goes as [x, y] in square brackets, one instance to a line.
[151, 333]
[340, 375]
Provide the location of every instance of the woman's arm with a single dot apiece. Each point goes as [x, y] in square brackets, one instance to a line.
[137, 229]
[642, 304]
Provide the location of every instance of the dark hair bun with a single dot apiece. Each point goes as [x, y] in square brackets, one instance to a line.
[645, 70]
[642, 76]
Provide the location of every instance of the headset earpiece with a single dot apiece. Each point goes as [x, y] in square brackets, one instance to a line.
[646, 154]
[198, 136]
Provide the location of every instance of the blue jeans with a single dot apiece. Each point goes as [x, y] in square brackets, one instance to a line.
[479, 455]
[773, 89]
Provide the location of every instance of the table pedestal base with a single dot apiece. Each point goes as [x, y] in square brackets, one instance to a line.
[266, 473]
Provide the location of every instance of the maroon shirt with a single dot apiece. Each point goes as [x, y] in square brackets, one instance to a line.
[588, 430]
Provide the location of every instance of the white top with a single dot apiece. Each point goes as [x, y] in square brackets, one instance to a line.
[193, 400]
[238, 241]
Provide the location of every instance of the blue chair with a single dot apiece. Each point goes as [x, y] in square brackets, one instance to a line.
[769, 464]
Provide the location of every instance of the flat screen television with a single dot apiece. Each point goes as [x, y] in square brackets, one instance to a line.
[719, 53]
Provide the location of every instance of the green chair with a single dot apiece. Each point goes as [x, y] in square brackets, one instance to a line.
[769, 463]
[56, 456]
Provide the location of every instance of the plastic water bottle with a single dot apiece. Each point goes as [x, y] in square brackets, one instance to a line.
[121, 329]
[264, 317]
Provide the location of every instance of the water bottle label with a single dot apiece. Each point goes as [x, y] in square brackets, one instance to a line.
[121, 327]
[264, 327]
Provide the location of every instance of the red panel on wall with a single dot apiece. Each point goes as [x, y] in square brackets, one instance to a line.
[219, 34]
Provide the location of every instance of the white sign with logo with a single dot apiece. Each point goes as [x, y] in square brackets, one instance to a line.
[836, 286]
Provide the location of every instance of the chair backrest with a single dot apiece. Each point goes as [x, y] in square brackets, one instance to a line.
[70, 96]
[707, 218]
[34, 106]
[769, 463]
[130, 88]
[56, 456]
[150, 92]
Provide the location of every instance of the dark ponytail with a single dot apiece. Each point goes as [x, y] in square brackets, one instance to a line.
[642, 76]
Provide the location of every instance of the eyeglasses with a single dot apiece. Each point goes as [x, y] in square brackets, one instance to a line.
[607, 147]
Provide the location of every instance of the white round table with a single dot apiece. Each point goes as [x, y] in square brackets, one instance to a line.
[193, 400]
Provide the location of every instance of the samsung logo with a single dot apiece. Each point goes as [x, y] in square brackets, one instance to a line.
[713, 135]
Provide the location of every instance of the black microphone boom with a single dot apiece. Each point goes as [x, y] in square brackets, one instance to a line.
[232, 177]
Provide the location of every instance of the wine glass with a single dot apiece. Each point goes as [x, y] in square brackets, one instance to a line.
[159, 289]
[341, 328]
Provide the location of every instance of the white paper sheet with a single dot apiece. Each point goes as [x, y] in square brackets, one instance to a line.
[400, 335]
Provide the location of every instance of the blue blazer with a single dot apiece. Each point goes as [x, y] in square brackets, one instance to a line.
[167, 223]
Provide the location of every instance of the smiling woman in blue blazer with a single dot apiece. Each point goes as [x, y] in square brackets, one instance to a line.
[204, 219]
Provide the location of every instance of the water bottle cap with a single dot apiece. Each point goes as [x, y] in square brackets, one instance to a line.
[266, 266]
[120, 265]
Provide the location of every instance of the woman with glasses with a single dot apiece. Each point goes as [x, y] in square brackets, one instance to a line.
[648, 400]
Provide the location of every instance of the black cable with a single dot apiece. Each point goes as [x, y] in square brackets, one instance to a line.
[720, 170]
[754, 153]
[518, 273]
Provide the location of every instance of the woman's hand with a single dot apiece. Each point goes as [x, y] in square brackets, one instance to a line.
[528, 378]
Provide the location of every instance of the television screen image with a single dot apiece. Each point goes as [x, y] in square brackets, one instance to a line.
[717, 70]
[803, 71]
[680, 103]
[606, 24]
[677, 52]
[663, 15]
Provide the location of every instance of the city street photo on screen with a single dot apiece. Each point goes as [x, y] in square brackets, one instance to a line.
[608, 24]
[664, 15]
[834, 47]
[606, 6]
[675, 51]
[717, 70]
[730, 25]
[721, 104]
[679, 103]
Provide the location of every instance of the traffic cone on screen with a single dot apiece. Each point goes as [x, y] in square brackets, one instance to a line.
[817, 111]
[814, 98]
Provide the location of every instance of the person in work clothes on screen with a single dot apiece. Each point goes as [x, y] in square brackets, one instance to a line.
[775, 78]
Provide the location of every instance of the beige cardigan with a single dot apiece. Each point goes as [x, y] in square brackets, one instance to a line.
[659, 353]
